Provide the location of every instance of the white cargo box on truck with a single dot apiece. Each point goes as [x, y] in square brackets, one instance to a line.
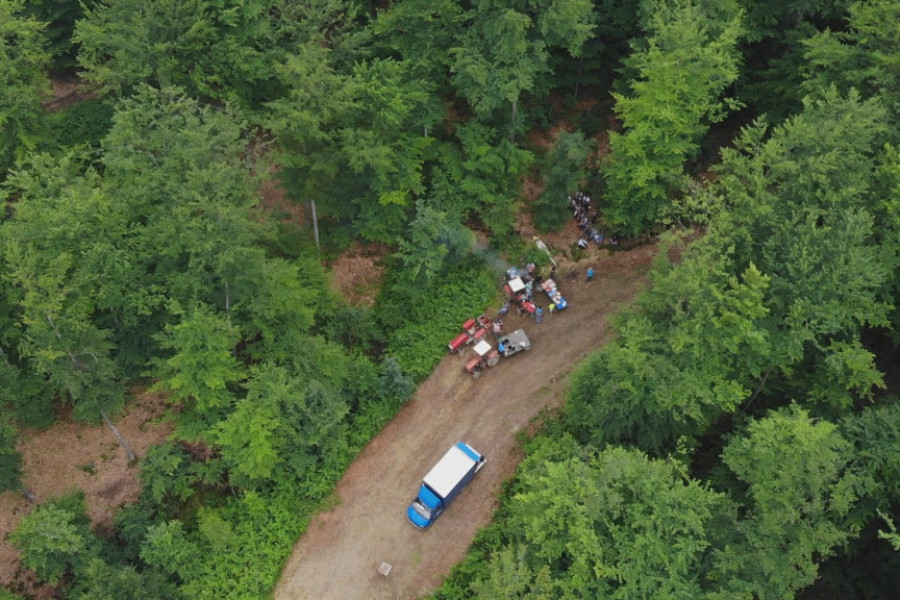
[449, 471]
[443, 483]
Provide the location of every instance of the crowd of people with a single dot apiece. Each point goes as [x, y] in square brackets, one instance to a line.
[586, 215]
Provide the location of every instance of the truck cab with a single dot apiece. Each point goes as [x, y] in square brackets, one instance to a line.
[443, 483]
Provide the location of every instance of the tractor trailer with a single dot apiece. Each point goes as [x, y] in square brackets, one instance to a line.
[443, 483]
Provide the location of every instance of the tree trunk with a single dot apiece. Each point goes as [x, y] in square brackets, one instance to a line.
[131, 456]
[315, 220]
[759, 388]
[512, 124]
[578, 77]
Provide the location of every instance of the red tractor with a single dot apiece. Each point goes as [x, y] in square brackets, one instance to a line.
[518, 291]
[473, 330]
[485, 356]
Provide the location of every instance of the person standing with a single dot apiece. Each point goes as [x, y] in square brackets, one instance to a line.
[538, 313]
[590, 274]
[550, 308]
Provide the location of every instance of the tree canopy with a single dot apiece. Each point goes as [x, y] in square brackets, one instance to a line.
[176, 227]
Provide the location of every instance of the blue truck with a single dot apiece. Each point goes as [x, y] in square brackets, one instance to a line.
[443, 483]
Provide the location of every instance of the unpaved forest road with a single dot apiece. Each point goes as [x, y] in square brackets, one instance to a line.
[337, 557]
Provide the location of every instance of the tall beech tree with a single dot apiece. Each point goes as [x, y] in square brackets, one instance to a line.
[680, 73]
[610, 524]
[806, 198]
[865, 57]
[797, 491]
[23, 82]
[567, 170]
[215, 49]
[201, 371]
[690, 353]
[770, 303]
[353, 143]
[505, 52]
[61, 254]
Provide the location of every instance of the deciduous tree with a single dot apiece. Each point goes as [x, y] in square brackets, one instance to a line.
[201, 371]
[681, 72]
[54, 538]
[797, 493]
[23, 82]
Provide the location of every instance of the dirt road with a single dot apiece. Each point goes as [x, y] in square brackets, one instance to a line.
[337, 558]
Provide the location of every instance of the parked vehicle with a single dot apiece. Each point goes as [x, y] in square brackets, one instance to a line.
[485, 356]
[443, 483]
[549, 286]
[473, 330]
[513, 343]
[516, 290]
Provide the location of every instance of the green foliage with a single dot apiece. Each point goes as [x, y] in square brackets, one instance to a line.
[358, 136]
[22, 82]
[167, 476]
[865, 57]
[485, 179]
[235, 551]
[54, 538]
[354, 327]
[504, 52]
[611, 524]
[201, 371]
[436, 243]
[100, 580]
[688, 356]
[497, 62]
[797, 493]
[432, 313]
[805, 197]
[566, 171]
[216, 49]
[875, 459]
[285, 419]
[10, 459]
[681, 73]
[395, 386]
[168, 549]
[60, 17]
[278, 305]
[58, 257]
[891, 534]
[85, 123]
[422, 32]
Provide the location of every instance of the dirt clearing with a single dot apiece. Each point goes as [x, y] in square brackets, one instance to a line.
[76, 456]
[338, 557]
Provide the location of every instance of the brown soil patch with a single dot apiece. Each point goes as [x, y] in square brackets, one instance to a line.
[357, 273]
[274, 201]
[65, 93]
[71, 456]
[337, 558]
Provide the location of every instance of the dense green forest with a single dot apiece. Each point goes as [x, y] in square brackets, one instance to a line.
[740, 439]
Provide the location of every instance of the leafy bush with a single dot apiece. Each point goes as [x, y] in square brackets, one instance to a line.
[82, 124]
[432, 313]
[565, 172]
[55, 537]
